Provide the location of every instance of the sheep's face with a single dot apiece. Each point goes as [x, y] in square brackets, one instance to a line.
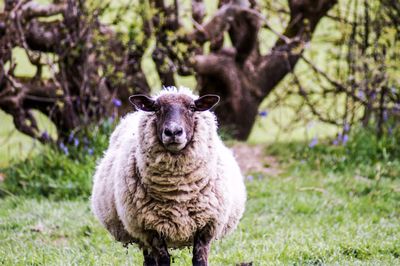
[175, 116]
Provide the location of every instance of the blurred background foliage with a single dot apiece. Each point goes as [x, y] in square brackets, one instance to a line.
[338, 107]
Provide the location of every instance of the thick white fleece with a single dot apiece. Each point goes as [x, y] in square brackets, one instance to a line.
[139, 186]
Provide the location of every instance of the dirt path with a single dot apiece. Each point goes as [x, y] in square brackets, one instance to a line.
[252, 159]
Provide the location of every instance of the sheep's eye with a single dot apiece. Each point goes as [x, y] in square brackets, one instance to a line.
[157, 109]
[192, 108]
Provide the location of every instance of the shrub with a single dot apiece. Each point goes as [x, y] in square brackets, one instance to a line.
[62, 172]
[363, 152]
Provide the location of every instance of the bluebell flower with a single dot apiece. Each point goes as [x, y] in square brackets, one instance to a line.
[71, 137]
[313, 142]
[345, 139]
[64, 148]
[116, 102]
[45, 135]
[76, 142]
[346, 127]
[90, 151]
[361, 95]
[335, 142]
[250, 178]
[385, 115]
[263, 113]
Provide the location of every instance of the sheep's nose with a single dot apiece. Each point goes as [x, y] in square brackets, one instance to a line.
[174, 131]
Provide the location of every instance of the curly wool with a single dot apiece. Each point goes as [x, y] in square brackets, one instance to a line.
[140, 187]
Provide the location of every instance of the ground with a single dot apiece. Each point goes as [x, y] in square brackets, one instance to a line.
[295, 215]
[252, 159]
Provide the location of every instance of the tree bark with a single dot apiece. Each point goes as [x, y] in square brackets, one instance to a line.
[81, 90]
[241, 76]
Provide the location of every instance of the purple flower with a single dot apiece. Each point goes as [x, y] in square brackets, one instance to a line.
[45, 135]
[64, 148]
[313, 142]
[345, 139]
[346, 127]
[361, 95]
[335, 142]
[117, 102]
[111, 119]
[263, 113]
[71, 137]
[90, 151]
[76, 142]
[250, 178]
[385, 115]
[396, 107]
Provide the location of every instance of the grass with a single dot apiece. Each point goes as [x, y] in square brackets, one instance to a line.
[303, 216]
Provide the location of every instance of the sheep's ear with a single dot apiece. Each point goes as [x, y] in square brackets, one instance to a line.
[142, 102]
[206, 102]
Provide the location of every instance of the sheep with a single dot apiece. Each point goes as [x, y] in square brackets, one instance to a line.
[167, 180]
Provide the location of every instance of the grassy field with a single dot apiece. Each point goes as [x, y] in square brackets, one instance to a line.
[303, 216]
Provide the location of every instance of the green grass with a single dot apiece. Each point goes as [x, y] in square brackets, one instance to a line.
[303, 216]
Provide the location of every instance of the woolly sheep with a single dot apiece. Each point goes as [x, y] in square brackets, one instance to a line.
[167, 180]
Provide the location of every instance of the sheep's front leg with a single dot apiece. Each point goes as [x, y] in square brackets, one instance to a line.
[201, 247]
[158, 254]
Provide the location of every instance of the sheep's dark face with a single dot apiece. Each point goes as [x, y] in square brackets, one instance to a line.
[175, 116]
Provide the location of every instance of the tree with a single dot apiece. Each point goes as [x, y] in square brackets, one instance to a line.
[361, 81]
[93, 66]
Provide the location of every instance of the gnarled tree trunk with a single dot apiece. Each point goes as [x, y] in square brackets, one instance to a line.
[94, 69]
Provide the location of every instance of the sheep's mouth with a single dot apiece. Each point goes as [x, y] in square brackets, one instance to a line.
[174, 146]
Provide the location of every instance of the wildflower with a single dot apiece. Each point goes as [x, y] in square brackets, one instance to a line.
[76, 142]
[71, 137]
[45, 135]
[313, 142]
[263, 113]
[345, 139]
[361, 95]
[116, 102]
[250, 178]
[90, 151]
[335, 142]
[385, 115]
[64, 148]
[346, 127]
